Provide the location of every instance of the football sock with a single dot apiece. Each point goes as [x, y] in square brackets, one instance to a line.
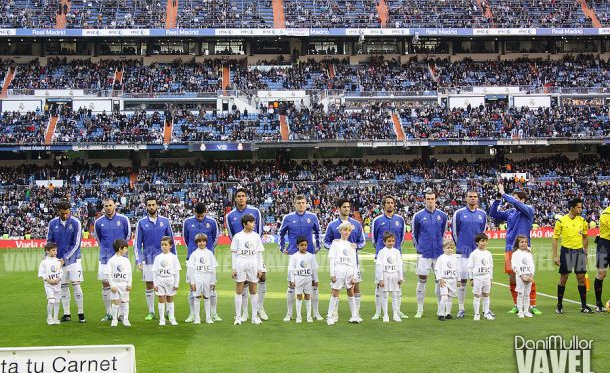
[125, 309]
[486, 301]
[384, 303]
[150, 300]
[421, 294]
[213, 302]
[192, 303]
[315, 298]
[115, 311]
[78, 297]
[582, 290]
[238, 301]
[206, 305]
[196, 306]
[299, 307]
[377, 300]
[289, 300]
[475, 304]
[598, 286]
[352, 306]
[65, 298]
[161, 307]
[560, 291]
[461, 296]
[106, 298]
[262, 289]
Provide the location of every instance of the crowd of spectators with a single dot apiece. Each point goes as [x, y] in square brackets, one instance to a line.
[315, 123]
[496, 122]
[225, 14]
[22, 128]
[114, 128]
[379, 74]
[331, 14]
[25, 207]
[58, 73]
[538, 13]
[365, 120]
[177, 76]
[301, 13]
[236, 126]
[433, 14]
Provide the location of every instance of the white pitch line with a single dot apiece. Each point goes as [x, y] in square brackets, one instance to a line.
[547, 295]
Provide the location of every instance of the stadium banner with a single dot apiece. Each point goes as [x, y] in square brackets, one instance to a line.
[96, 106]
[60, 359]
[513, 175]
[48, 183]
[58, 92]
[21, 105]
[503, 31]
[219, 147]
[490, 90]
[522, 142]
[38, 148]
[532, 101]
[546, 232]
[375, 144]
[464, 101]
[304, 32]
[418, 142]
[117, 32]
[183, 32]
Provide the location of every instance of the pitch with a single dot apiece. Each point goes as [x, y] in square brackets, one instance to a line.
[277, 346]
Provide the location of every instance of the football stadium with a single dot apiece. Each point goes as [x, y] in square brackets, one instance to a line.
[311, 185]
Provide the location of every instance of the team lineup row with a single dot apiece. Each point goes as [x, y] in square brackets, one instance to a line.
[155, 256]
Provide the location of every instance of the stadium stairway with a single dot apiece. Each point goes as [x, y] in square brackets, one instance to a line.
[284, 128]
[171, 14]
[331, 71]
[279, 19]
[400, 133]
[384, 14]
[487, 12]
[118, 77]
[586, 9]
[133, 179]
[7, 81]
[226, 79]
[50, 132]
[168, 129]
[432, 69]
[60, 19]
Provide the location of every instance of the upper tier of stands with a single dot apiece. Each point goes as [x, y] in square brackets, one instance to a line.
[81, 14]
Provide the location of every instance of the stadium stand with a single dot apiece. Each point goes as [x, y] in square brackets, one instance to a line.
[554, 180]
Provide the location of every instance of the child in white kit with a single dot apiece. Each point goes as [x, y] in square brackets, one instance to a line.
[388, 271]
[343, 273]
[50, 271]
[522, 263]
[447, 275]
[481, 268]
[303, 275]
[119, 276]
[166, 279]
[202, 265]
[247, 265]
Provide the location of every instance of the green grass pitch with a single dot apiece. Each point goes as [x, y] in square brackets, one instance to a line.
[424, 344]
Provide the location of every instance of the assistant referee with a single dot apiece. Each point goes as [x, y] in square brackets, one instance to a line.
[602, 260]
[572, 228]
